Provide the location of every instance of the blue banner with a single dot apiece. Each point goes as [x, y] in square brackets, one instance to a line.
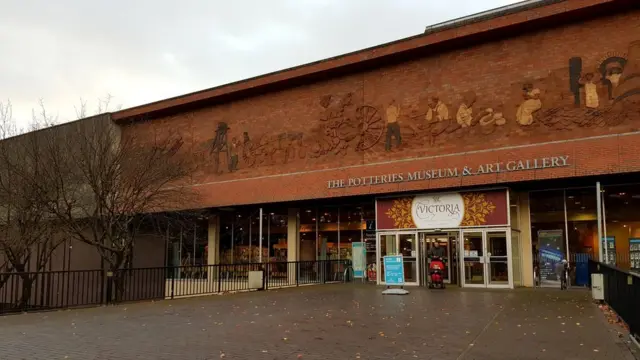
[393, 270]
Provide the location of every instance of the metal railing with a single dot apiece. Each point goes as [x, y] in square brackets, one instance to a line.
[579, 275]
[621, 293]
[34, 291]
[23, 292]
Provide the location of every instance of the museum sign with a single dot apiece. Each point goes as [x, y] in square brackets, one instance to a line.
[452, 172]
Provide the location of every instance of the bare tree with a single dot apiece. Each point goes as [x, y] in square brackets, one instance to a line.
[109, 183]
[27, 229]
[103, 105]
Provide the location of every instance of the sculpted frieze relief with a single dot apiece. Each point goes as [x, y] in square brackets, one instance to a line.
[602, 94]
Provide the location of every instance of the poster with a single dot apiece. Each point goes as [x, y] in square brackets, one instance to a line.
[551, 252]
[393, 270]
[359, 258]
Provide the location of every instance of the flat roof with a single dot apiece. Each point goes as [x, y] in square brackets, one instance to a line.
[525, 15]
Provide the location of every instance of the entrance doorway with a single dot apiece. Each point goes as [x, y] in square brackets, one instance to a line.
[486, 258]
[399, 243]
[448, 242]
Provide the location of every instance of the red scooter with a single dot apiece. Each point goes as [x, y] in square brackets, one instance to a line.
[436, 273]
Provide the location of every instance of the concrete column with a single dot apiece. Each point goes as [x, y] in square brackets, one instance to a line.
[293, 244]
[293, 236]
[213, 255]
[525, 240]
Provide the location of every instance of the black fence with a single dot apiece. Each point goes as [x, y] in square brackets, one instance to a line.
[23, 292]
[621, 293]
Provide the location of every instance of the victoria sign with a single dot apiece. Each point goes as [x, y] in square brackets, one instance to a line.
[443, 210]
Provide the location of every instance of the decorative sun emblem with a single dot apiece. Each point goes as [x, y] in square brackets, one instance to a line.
[400, 213]
[476, 209]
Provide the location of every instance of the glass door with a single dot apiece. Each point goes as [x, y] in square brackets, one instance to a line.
[473, 269]
[387, 245]
[439, 245]
[498, 254]
[408, 246]
[486, 258]
[400, 243]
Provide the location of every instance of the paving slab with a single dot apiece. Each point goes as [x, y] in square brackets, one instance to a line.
[343, 321]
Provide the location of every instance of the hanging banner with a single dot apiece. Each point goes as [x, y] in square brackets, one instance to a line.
[443, 210]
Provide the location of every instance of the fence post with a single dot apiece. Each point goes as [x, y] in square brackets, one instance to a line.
[297, 273]
[173, 281]
[265, 274]
[220, 274]
[109, 287]
[324, 271]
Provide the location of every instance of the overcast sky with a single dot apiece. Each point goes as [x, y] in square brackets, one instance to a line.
[146, 50]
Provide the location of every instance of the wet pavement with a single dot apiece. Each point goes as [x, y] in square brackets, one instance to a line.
[343, 321]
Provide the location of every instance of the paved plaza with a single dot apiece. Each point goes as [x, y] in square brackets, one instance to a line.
[342, 321]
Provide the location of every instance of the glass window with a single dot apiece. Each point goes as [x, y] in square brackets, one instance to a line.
[516, 258]
[514, 210]
[227, 232]
[369, 233]
[328, 239]
[352, 229]
[621, 226]
[547, 234]
[564, 225]
[582, 221]
[241, 238]
[308, 233]
[187, 242]
[274, 233]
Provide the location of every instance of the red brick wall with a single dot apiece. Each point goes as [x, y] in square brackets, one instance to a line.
[303, 137]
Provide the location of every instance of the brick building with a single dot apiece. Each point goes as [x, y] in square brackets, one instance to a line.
[509, 137]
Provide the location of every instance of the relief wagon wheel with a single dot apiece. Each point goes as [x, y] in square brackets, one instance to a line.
[371, 127]
[249, 154]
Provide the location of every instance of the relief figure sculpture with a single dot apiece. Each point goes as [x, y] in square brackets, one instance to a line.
[611, 72]
[592, 100]
[531, 104]
[437, 111]
[233, 162]
[219, 146]
[393, 127]
[437, 119]
[600, 94]
[465, 111]
[629, 84]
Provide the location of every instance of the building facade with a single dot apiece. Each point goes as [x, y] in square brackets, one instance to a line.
[509, 137]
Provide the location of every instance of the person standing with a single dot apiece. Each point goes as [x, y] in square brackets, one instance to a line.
[393, 127]
[561, 269]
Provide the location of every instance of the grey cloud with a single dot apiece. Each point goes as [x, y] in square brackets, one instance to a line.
[144, 50]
